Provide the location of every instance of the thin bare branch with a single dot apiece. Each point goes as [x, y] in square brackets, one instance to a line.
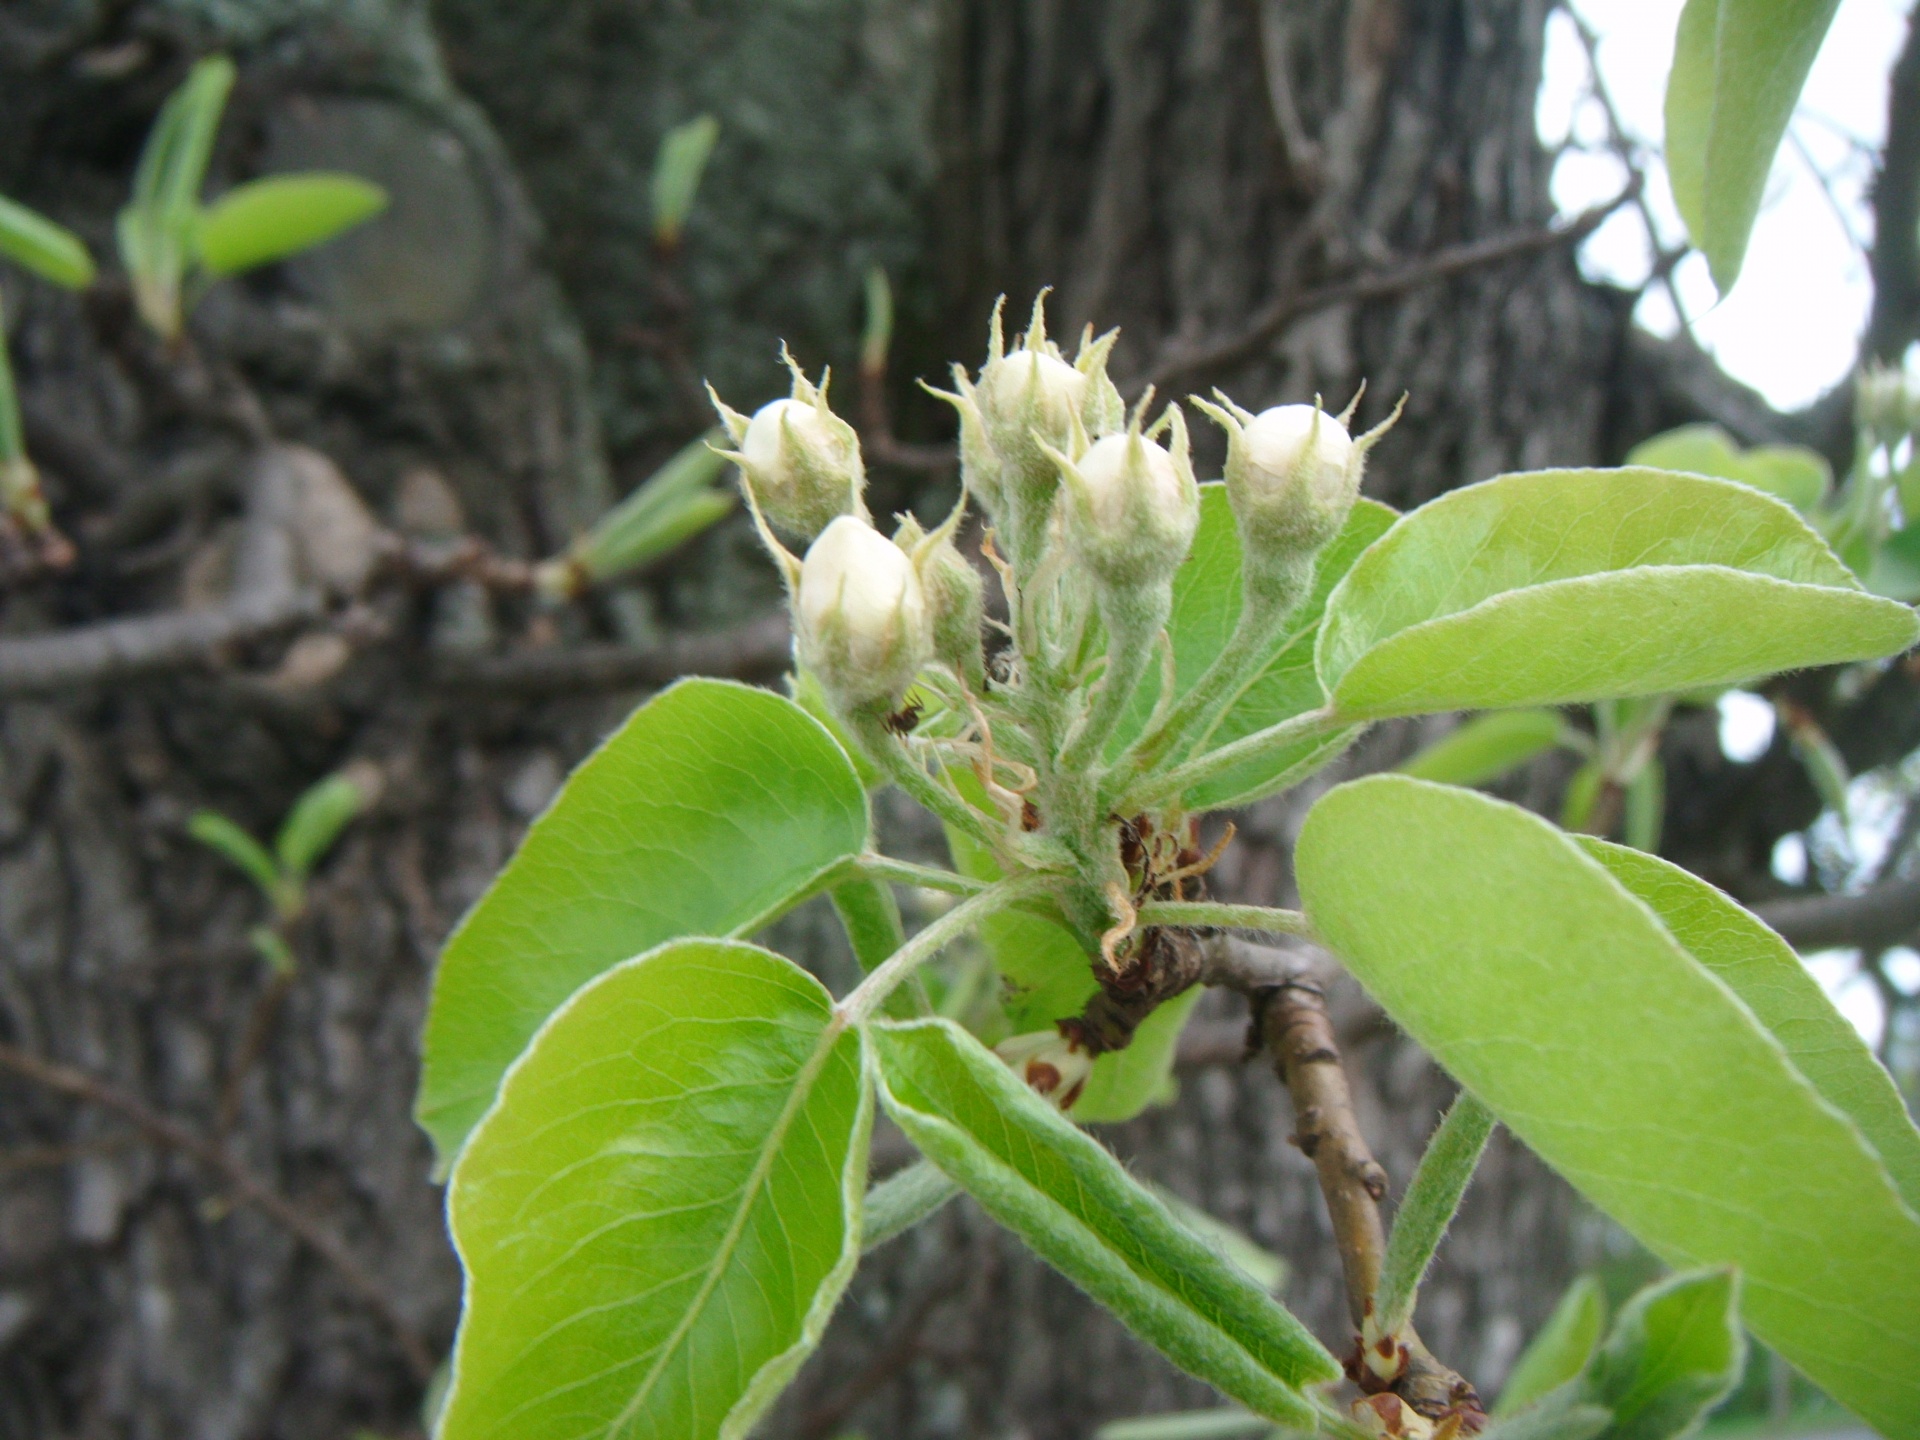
[1895, 260]
[1873, 919]
[1180, 366]
[757, 650]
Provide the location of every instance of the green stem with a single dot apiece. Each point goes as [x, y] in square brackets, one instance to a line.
[1186, 914]
[1169, 784]
[903, 1200]
[859, 1007]
[894, 760]
[1131, 635]
[12, 445]
[872, 921]
[928, 877]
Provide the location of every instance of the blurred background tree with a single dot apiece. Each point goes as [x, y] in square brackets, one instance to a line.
[1280, 196]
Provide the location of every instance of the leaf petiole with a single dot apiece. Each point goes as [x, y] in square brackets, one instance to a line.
[1191, 913]
[1169, 784]
[866, 998]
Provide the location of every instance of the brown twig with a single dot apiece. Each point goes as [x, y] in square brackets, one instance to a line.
[123, 649]
[1895, 260]
[1283, 312]
[1291, 1020]
[1888, 914]
[238, 1180]
[757, 650]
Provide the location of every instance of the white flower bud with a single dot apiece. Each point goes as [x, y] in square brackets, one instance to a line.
[863, 623]
[1133, 506]
[1293, 473]
[1033, 392]
[799, 462]
[1052, 1064]
[954, 597]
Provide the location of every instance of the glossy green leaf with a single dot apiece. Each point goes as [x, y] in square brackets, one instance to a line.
[682, 160]
[709, 811]
[659, 1213]
[237, 848]
[1064, 1194]
[281, 215]
[1559, 998]
[1575, 585]
[1206, 603]
[1048, 977]
[1762, 969]
[315, 822]
[1559, 1350]
[1487, 747]
[1674, 1352]
[1738, 66]
[1433, 1195]
[1792, 473]
[50, 251]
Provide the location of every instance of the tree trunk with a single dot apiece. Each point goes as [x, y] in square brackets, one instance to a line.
[1175, 168]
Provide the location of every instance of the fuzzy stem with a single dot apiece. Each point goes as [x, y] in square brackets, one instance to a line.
[868, 996]
[928, 877]
[903, 1200]
[1169, 784]
[1188, 914]
[1133, 629]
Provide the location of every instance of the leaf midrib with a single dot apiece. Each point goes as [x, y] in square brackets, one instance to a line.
[750, 1193]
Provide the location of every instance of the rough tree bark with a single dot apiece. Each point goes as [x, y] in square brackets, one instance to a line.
[1175, 168]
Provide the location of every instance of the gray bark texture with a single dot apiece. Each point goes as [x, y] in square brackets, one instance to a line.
[503, 353]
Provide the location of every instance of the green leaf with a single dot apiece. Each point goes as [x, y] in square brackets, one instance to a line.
[667, 509]
[1792, 473]
[1206, 603]
[1560, 999]
[676, 175]
[1574, 585]
[281, 215]
[238, 849]
[1738, 66]
[1895, 568]
[708, 812]
[1558, 1419]
[1432, 1197]
[1047, 977]
[50, 251]
[1674, 1352]
[1762, 969]
[1067, 1197]
[1560, 1350]
[1263, 1267]
[315, 822]
[1487, 747]
[173, 163]
[659, 1213]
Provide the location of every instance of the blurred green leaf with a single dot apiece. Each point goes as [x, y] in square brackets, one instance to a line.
[1583, 792]
[50, 251]
[281, 215]
[1559, 1351]
[1792, 473]
[677, 169]
[315, 822]
[1674, 1352]
[1738, 67]
[1487, 747]
[665, 510]
[238, 849]
[157, 231]
[879, 332]
[1222, 1424]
